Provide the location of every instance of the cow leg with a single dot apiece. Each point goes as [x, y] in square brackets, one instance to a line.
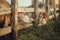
[2, 21]
[6, 23]
[7, 20]
[2, 24]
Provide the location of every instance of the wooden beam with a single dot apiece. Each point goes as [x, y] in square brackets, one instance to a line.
[54, 4]
[21, 26]
[59, 8]
[14, 18]
[36, 9]
[5, 11]
[30, 10]
[32, 2]
[36, 14]
[8, 10]
[43, 1]
[47, 5]
[5, 31]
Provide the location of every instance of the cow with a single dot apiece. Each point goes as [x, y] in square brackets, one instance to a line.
[4, 20]
[44, 18]
[23, 17]
[7, 20]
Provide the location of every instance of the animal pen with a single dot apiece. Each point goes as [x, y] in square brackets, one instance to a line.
[13, 11]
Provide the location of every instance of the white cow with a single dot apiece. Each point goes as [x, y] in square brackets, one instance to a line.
[25, 18]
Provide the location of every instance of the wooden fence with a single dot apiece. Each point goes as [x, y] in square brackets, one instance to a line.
[4, 31]
[14, 11]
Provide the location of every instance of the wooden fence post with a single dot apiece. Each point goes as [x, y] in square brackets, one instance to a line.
[47, 6]
[46, 2]
[14, 18]
[54, 4]
[36, 15]
[43, 2]
[33, 2]
[59, 8]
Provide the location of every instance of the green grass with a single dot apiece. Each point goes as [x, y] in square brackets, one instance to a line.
[45, 32]
[49, 31]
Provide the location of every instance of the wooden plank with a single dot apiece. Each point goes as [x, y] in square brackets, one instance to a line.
[30, 10]
[51, 16]
[14, 18]
[32, 2]
[36, 14]
[8, 10]
[5, 11]
[21, 26]
[59, 8]
[7, 30]
[55, 17]
[4, 31]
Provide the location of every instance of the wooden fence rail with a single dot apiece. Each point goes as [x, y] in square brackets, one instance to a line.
[7, 30]
[8, 10]
[4, 31]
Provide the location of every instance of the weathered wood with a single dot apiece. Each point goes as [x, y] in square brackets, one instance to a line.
[59, 7]
[8, 10]
[5, 11]
[14, 18]
[32, 2]
[21, 26]
[47, 5]
[43, 2]
[54, 4]
[30, 10]
[4, 31]
[36, 15]
[7, 30]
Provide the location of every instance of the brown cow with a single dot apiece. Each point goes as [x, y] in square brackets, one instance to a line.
[4, 20]
[44, 18]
